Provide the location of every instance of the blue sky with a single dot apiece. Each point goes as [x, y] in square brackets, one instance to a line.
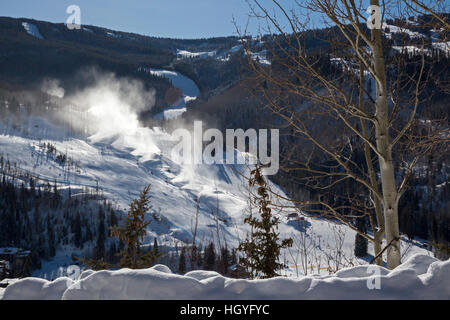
[163, 18]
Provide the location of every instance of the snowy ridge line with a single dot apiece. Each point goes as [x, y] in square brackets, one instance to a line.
[183, 54]
[420, 277]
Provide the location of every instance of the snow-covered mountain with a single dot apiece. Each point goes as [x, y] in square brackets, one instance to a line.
[114, 152]
[120, 156]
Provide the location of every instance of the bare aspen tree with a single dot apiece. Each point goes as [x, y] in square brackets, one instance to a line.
[367, 102]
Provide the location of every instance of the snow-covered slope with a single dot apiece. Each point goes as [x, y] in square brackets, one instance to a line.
[115, 153]
[32, 30]
[183, 54]
[389, 30]
[187, 86]
[123, 163]
[261, 57]
[421, 277]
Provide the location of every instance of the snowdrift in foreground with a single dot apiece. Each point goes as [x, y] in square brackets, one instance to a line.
[420, 277]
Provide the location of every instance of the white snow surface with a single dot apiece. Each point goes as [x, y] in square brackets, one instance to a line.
[187, 86]
[122, 165]
[260, 57]
[395, 29]
[183, 54]
[32, 30]
[420, 277]
[443, 46]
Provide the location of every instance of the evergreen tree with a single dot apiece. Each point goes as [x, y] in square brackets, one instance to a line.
[360, 241]
[182, 262]
[112, 253]
[51, 237]
[100, 251]
[262, 250]
[210, 257]
[155, 247]
[77, 231]
[113, 221]
[224, 262]
[88, 231]
[132, 233]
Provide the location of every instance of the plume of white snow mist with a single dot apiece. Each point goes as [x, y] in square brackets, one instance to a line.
[53, 88]
[109, 112]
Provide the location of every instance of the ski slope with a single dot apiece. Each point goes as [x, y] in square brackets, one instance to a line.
[184, 54]
[122, 164]
[187, 86]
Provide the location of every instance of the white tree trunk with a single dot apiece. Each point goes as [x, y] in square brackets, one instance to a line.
[388, 185]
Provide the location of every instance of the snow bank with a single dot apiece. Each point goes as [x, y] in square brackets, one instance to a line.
[37, 289]
[420, 277]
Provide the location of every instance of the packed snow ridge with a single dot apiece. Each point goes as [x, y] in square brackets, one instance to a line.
[420, 277]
